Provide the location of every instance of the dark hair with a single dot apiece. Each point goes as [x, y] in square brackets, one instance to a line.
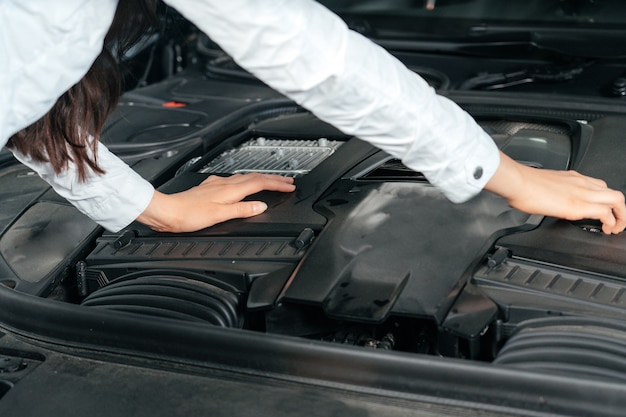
[62, 135]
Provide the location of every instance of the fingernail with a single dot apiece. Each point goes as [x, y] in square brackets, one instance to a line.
[259, 207]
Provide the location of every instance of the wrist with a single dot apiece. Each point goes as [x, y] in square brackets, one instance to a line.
[160, 215]
[508, 180]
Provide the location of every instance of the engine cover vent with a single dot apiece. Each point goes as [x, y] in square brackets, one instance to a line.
[291, 158]
[394, 170]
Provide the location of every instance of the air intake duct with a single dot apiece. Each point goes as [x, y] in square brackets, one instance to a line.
[579, 347]
[177, 295]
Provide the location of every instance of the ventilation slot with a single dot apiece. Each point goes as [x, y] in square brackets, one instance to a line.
[393, 170]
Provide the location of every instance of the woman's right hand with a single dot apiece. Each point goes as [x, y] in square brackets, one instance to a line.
[564, 194]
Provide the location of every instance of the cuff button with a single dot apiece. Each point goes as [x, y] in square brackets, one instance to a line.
[478, 173]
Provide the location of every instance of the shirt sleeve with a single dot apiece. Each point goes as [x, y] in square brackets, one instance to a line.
[304, 51]
[113, 199]
[47, 46]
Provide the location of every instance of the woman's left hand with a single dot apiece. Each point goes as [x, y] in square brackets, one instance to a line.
[213, 201]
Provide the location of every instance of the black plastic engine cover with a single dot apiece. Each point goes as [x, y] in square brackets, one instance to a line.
[397, 248]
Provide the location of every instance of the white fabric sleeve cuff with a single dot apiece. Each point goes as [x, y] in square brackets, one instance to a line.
[466, 158]
[113, 200]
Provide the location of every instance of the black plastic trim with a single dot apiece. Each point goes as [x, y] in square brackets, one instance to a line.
[396, 374]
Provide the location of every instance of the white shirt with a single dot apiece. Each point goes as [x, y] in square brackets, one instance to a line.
[297, 47]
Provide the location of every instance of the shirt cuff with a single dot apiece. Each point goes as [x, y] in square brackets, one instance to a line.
[466, 157]
[113, 200]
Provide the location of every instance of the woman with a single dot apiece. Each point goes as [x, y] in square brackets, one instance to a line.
[305, 52]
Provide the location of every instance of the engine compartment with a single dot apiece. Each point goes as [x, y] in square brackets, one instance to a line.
[364, 253]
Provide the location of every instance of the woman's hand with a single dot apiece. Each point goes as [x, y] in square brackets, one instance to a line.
[215, 200]
[563, 194]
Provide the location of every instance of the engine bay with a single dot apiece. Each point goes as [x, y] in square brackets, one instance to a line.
[364, 253]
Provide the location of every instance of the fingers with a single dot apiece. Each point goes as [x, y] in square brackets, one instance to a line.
[239, 210]
[590, 199]
[224, 194]
[608, 223]
[614, 219]
[215, 200]
[619, 212]
[238, 186]
[594, 200]
[606, 205]
[563, 194]
[269, 179]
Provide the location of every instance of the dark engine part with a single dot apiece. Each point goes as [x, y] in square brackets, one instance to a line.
[362, 240]
[364, 252]
[176, 295]
[579, 347]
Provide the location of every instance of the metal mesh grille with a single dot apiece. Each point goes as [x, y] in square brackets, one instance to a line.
[273, 156]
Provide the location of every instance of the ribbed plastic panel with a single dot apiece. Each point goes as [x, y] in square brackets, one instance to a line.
[235, 261]
[526, 281]
[181, 248]
[273, 156]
